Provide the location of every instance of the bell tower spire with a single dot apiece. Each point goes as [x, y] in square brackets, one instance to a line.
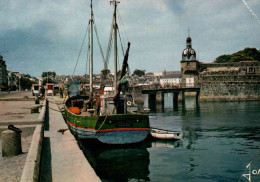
[188, 53]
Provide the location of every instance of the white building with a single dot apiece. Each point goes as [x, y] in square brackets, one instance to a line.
[171, 80]
[158, 74]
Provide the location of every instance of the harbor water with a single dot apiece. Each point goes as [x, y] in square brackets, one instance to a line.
[221, 142]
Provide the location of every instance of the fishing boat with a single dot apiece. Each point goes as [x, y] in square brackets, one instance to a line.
[101, 116]
[165, 134]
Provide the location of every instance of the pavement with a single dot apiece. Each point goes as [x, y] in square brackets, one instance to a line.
[17, 113]
[66, 161]
[62, 159]
[16, 95]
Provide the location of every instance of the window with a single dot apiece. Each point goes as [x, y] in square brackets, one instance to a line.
[250, 70]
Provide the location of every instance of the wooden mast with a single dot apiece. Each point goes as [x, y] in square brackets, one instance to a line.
[91, 53]
[115, 42]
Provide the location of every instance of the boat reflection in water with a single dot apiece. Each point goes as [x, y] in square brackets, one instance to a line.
[122, 162]
[157, 143]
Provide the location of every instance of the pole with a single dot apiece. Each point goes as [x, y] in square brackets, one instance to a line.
[91, 53]
[19, 83]
[115, 43]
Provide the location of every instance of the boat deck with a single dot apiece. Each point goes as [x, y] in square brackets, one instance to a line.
[85, 113]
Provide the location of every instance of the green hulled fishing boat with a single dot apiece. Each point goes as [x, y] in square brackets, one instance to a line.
[105, 116]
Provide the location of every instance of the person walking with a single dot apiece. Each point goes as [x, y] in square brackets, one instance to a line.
[61, 92]
[43, 92]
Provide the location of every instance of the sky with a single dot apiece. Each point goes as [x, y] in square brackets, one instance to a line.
[38, 36]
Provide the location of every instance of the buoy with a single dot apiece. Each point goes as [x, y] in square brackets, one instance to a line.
[129, 103]
[35, 109]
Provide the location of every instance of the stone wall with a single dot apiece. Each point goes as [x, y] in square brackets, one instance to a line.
[189, 69]
[230, 81]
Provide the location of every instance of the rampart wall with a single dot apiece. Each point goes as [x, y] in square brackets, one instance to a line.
[229, 81]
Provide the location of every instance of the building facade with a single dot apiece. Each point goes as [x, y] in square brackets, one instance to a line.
[3, 74]
[220, 81]
[170, 79]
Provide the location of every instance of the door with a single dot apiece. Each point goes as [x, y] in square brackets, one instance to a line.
[189, 82]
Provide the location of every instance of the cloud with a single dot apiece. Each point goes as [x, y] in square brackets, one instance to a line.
[48, 34]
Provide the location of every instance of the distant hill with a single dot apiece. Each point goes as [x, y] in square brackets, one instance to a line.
[248, 54]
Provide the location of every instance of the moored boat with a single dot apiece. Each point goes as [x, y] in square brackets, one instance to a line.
[107, 127]
[165, 134]
[105, 117]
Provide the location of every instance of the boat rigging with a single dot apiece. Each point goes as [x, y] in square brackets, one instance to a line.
[105, 116]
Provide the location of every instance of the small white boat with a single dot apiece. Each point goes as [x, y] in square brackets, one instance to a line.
[165, 134]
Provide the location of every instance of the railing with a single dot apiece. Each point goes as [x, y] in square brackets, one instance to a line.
[179, 86]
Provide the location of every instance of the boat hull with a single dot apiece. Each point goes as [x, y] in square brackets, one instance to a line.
[122, 136]
[109, 129]
[160, 134]
[82, 133]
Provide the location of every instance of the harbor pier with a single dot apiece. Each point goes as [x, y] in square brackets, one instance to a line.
[47, 155]
[156, 96]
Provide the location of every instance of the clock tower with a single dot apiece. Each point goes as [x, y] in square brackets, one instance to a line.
[188, 53]
[189, 65]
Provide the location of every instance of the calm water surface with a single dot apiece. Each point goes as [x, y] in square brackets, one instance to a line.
[220, 140]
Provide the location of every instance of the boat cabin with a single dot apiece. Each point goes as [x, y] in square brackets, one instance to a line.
[107, 105]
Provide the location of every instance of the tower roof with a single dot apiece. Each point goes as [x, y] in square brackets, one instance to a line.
[188, 39]
[188, 53]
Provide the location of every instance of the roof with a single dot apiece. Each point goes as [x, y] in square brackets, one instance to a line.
[172, 76]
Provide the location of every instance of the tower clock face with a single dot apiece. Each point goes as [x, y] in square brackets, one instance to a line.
[185, 51]
[192, 51]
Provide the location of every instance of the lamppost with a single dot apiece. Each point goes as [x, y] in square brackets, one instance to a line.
[48, 74]
[19, 83]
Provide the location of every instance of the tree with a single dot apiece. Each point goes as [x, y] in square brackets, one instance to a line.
[248, 54]
[139, 72]
[51, 74]
[26, 83]
[27, 75]
[223, 59]
[47, 80]
[105, 72]
[240, 57]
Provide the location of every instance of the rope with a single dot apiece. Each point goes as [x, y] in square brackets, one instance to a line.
[102, 123]
[121, 42]
[118, 63]
[80, 50]
[109, 46]
[87, 54]
[53, 102]
[54, 109]
[252, 12]
[100, 48]
[121, 21]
